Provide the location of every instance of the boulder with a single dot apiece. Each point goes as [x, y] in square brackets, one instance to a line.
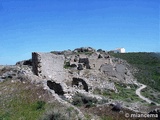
[8, 74]
[117, 107]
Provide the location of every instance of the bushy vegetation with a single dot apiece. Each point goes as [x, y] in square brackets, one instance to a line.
[151, 94]
[80, 99]
[84, 52]
[67, 65]
[126, 94]
[148, 66]
[52, 115]
[57, 111]
[40, 105]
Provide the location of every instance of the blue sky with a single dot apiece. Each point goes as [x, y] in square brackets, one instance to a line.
[47, 25]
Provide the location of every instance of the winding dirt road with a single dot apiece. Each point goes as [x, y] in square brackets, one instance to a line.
[138, 92]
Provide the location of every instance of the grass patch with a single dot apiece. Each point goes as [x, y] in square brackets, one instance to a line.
[124, 93]
[19, 102]
[57, 111]
[151, 94]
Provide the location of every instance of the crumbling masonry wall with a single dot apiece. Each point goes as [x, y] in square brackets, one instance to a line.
[48, 65]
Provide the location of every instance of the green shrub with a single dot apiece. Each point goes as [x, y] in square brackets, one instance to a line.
[80, 99]
[54, 116]
[57, 112]
[5, 116]
[67, 65]
[77, 100]
[40, 105]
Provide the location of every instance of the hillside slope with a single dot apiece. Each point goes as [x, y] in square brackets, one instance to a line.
[80, 84]
[148, 71]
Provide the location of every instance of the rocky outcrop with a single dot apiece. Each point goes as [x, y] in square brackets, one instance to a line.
[118, 71]
[60, 69]
[84, 49]
[9, 72]
[108, 69]
[25, 62]
[117, 107]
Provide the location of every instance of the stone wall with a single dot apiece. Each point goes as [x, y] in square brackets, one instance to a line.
[48, 65]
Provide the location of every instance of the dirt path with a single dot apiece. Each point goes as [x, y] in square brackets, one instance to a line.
[138, 92]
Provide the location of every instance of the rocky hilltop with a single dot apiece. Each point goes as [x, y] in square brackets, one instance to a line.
[81, 70]
[83, 78]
